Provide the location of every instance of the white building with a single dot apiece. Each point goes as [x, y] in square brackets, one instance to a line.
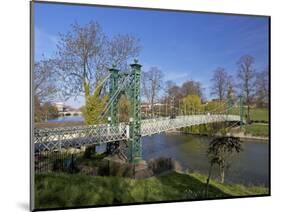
[60, 106]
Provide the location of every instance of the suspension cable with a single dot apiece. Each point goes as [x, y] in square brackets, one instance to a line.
[115, 95]
[102, 82]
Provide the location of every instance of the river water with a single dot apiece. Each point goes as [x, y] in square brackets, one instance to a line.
[67, 119]
[249, 167]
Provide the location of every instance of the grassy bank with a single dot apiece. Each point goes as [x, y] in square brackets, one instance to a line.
[257, 130]
[65, 190]
[256, 114]
[58, 124]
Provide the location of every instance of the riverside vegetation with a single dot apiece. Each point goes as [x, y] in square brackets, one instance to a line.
[89, 183]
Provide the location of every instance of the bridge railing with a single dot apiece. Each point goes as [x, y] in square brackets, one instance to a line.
[58, 138]
[158, 125]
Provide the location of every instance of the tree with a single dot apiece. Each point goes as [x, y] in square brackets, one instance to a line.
[191, 104]
[123, 109]
[121, 49]
[38, 111]
[246, 74]
[262, 91]
[168, 85]
[220, 82]
[94, 106]
[49, 111]
[45, 86]
[44, 80]
[191, 87]
[231, 93]
[220, 152]
[85, 53]
[151, 85]
[175, 93]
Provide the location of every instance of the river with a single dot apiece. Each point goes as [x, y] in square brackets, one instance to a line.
[249, 167]
[67, 119]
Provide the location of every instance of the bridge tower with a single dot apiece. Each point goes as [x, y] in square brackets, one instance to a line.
[135, 114]
[132, 90]
[113, 118]
[114, 75]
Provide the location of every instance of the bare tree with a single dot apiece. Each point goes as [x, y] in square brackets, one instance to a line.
[220, 82]
[246, 74]
[262, 88]
[80, 55]
[231, 92]
[192, 87]
[175, 92]
[85, 53]
[44, 80]
[168, 86]
[151, 85]
[122, 48]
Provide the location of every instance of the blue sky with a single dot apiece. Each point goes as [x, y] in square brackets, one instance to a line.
[183, 45]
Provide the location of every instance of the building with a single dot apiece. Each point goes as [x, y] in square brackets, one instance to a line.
[60, 106]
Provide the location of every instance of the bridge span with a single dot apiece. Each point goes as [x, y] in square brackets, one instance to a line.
[55, 139]
[126, 83]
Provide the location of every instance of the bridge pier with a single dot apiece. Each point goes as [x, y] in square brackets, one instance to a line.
[112, 147]
[141, 170]
[89, 151]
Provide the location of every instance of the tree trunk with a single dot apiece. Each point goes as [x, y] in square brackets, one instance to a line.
[222, 175]
[152, 107]
[208, 181]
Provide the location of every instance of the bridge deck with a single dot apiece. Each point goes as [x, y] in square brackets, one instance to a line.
[58, 138]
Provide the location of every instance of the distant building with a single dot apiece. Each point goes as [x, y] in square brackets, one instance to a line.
[146, 106]
[60, 106]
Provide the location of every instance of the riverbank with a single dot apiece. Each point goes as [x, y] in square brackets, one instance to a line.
[238, 135]
[67, 190]
[244, 134]
[58, 124]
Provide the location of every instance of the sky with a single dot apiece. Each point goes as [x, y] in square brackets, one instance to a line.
[184, 45]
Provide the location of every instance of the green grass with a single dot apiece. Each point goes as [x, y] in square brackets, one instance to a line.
[256, 114]
[234, 189]
[257, 129]
[259, 114]
[65, 190]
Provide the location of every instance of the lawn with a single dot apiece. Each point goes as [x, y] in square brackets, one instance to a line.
[256, 114]
[65, 190]
[257, 129]
[259, 114]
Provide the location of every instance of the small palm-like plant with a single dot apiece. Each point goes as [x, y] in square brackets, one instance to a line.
[220, 152]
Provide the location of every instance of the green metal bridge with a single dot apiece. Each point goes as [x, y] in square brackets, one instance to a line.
[120, 83]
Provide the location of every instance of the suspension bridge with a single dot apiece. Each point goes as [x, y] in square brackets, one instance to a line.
[56, 139]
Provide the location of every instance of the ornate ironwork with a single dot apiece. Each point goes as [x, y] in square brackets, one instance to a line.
[135, 115]
[59, 138]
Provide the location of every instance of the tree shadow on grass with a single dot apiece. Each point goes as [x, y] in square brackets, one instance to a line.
[66, 190]
[190, 187]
